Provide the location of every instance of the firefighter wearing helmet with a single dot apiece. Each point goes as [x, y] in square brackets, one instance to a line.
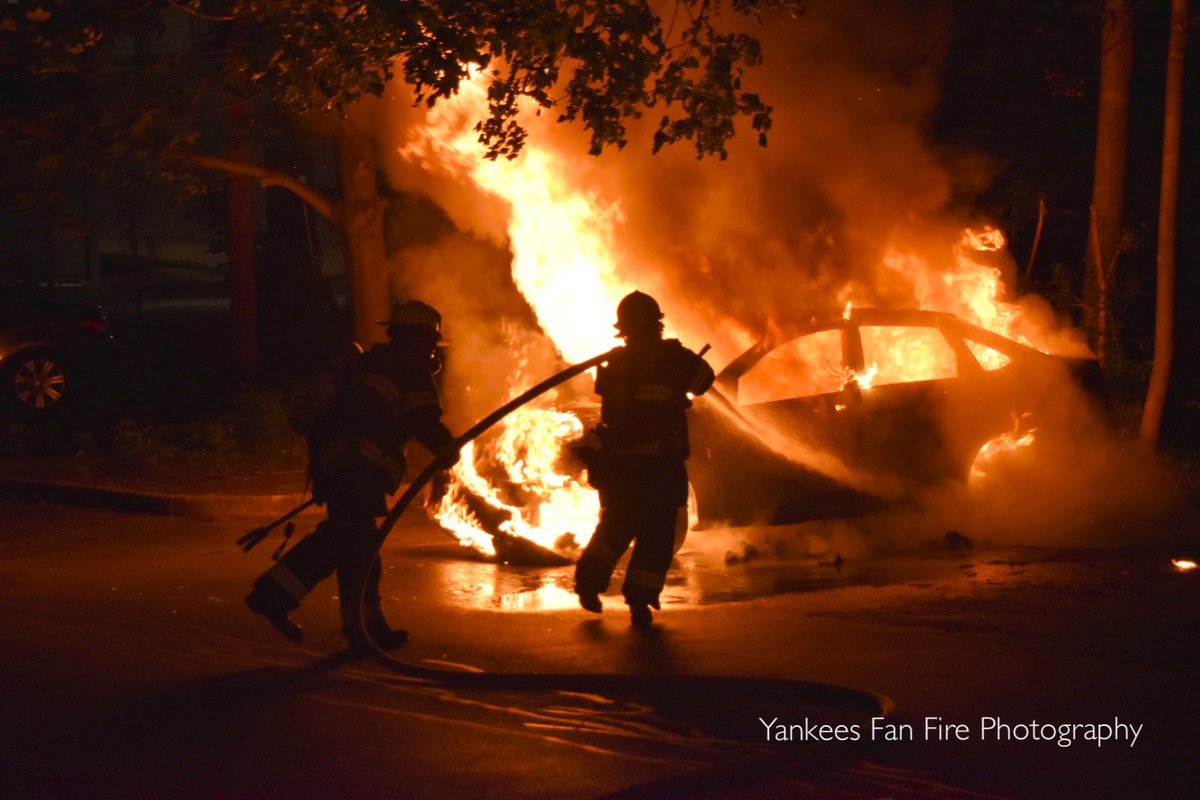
[636, 458]
[356, 453]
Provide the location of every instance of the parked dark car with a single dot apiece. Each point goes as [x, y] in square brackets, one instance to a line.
[54, 351]
[793, 410]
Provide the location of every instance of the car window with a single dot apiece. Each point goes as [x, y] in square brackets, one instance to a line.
[899, 354]
[987, 357]
[808, 365]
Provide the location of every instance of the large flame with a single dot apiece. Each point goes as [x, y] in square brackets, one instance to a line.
[565, 243]
[562, 236]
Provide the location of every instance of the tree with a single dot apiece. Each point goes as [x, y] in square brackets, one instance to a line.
[1108, 186]
[1164, 319]
[307, 62]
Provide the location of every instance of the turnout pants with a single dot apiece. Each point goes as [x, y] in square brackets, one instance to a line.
[654, 529]
[328, 549]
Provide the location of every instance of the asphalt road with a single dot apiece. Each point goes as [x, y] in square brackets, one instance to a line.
[130, 668]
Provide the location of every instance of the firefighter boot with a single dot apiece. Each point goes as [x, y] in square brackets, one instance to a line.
[273, 605]
[590, 601]
[640, 615]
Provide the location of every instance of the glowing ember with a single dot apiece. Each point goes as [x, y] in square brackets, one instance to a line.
[999, 448]
[1183, 564]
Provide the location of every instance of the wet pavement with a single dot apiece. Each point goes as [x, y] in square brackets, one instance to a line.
[459, 578]
[132, 669]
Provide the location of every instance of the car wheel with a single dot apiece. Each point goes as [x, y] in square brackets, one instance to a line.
[37, 382]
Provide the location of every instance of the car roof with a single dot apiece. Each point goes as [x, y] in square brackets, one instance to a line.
[812, 321]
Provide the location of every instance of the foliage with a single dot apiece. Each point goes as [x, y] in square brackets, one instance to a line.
[601, 62]
[109, 85]
[253, 428]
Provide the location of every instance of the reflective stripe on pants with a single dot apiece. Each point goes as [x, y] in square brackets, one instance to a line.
[652, 529]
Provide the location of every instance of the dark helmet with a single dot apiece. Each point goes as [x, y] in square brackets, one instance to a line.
[638, 313]
[413, 314]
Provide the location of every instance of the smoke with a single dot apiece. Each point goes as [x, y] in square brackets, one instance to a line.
[491, 332]
[1068, 490]
[770, 231]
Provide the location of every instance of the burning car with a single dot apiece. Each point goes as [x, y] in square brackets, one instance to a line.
[843, 411]
[833, 416]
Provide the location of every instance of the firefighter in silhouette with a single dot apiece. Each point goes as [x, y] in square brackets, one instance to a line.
[635, 458]
[356, 452]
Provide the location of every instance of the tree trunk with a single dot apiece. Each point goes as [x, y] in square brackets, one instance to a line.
[361, 228]
[1108, 185]
[358, 219]
[1164, 320]
[240, 233]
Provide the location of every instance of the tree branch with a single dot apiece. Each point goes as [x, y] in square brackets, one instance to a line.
[195, 12]
[266, 177]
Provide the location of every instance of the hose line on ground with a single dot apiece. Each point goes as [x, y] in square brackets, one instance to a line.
[844, 697]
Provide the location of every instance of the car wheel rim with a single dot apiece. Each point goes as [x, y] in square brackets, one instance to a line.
[39, 383]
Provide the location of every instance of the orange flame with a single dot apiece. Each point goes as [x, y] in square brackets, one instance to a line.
[562, 236]
[971, 290]
[565, 243]
[997, 449]
[543, 503]
[562, 239]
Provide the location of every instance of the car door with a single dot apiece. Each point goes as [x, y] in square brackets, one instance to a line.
[767, 440]
[910, 377]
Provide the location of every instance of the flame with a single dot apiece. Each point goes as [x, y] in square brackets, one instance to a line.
[986, 239]
[535, 500]
[565, 243]
[999, 448]
[971, 289]
[1183, 564]
[866, 378]
[562, 236]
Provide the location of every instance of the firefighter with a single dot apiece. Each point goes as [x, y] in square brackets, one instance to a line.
[635, 458]
[356, 453]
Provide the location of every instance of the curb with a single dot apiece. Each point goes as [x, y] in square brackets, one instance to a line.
[194, 506]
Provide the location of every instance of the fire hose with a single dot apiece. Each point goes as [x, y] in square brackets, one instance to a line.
[368, 550]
